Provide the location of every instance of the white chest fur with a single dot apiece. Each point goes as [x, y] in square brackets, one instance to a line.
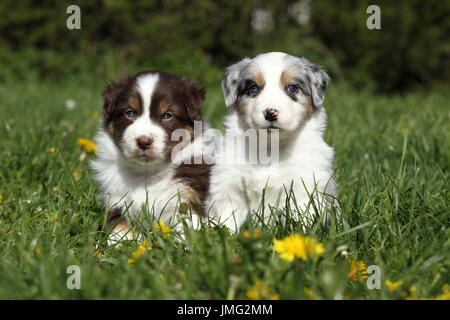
[135, 188]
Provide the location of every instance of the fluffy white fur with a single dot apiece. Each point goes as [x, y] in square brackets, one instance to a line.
[127, 185]
[305, 160]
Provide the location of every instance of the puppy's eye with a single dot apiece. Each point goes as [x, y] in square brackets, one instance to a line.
[292, 88]
[130, 114]
[166, 116]
[253, 89]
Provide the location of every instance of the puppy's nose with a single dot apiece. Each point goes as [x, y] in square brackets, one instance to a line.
[271, 114]
[144, 142]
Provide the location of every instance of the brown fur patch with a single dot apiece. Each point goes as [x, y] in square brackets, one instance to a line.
[286, 78]
[309, 107]
[191, 131]
[113, 217]
[135, 103]
[164, 107]
[110, 128]
[119, 97]
[183, 99]
[259, 79]
[240, 108]
[120, 225]
[197, 177]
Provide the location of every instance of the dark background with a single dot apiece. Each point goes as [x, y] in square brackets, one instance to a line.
[411, 50]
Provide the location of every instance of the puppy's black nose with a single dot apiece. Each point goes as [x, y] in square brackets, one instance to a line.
[144, 142]
[271, 114]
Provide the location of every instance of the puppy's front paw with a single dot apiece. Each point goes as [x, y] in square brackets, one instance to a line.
[121, 232]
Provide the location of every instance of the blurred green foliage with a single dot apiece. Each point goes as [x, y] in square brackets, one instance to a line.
[411, 48]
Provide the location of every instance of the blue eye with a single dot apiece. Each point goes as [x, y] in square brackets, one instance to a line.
[253, 89]
[292, 88]
[166, 116]
[130, 114]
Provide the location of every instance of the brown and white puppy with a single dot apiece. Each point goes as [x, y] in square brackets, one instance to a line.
[145, 149]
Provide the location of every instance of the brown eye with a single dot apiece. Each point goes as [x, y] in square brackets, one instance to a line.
[166, 116]
[130, 114]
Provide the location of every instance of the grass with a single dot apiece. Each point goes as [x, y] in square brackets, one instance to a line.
[392, 162]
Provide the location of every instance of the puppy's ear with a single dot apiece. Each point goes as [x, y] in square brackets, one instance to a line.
[318, 81]
[194, 102]
[230, 81]
[111, 94]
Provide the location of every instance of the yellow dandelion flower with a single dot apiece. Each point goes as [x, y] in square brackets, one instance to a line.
[55, 189]
[131, 261]
[161, 227]
[297, 246]
[252, 294]
[393, 286]
[87, 145]
[445, 293]
[308, 292]
[246, 234]
[55, 217]
[358, 270]
[260, 291]
[412, 294]
[1, 198]
[77, 174]
[51, 150]
[143, 247]
[274, 296]
[37, 250]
